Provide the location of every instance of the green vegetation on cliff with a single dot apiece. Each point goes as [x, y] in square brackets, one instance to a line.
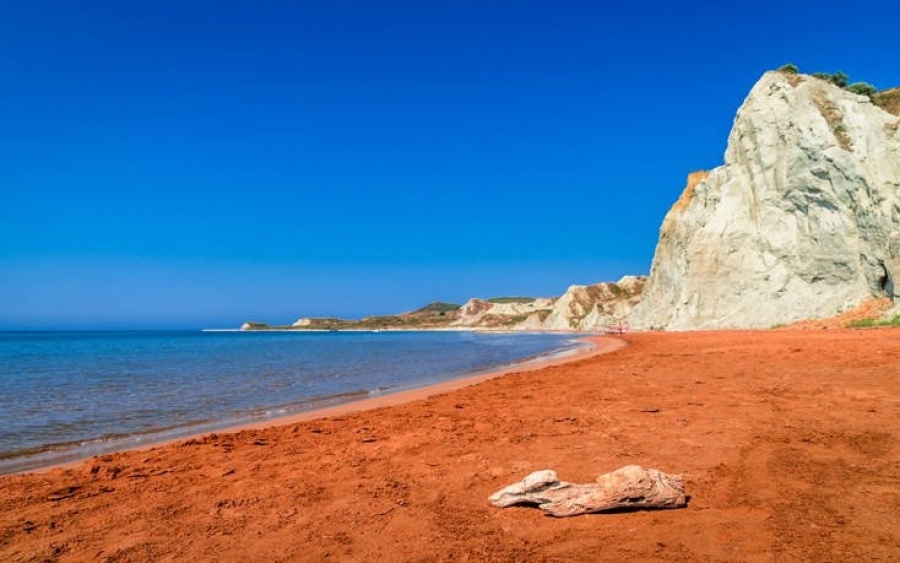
[888, 99]
[861, 323]
[501, 300]
[438, 307]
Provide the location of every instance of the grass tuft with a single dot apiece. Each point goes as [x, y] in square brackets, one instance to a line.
[862, 323]
[500, 300]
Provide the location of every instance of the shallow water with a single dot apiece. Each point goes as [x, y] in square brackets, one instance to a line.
[66, 395]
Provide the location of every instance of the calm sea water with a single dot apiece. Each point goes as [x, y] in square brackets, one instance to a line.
[67, 395]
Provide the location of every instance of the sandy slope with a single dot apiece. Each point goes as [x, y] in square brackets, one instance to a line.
[789, 442]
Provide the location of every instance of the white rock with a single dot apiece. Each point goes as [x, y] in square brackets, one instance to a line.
[592, 307]
[802, 221]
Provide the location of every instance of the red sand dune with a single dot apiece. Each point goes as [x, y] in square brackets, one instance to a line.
[788, 440]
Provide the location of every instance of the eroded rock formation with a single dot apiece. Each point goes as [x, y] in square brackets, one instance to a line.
[594, 307]
[580, 308]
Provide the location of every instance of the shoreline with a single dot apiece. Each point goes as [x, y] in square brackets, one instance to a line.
[403, 396]
[763, 426]
[589, 346]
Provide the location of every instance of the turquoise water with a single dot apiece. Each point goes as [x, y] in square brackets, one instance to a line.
[67, 395]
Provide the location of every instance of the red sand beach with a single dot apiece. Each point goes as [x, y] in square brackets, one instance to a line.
[788, 440]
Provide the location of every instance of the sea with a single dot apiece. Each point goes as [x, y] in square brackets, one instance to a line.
[70, 395]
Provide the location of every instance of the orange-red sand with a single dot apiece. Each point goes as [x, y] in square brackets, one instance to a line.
[789, 442]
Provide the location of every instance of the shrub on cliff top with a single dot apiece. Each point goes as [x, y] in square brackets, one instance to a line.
[789, 69]
[863, 89]
[839, 79]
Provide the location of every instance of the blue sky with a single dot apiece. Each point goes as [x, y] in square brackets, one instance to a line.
[188, 164]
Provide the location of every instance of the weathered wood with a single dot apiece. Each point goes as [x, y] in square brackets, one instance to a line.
[630, 487]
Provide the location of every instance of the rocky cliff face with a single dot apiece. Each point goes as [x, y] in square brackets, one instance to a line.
[485, 313]
[595, 307]
[580, 308]
[802, 221]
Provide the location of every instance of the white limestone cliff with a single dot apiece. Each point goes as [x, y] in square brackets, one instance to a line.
[802, 220]
[480, 312]
[581, 308]
[594, 307]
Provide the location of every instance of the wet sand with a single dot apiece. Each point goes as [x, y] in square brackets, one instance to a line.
[788, 440]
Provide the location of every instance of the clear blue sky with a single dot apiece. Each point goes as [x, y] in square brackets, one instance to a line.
[188, 164]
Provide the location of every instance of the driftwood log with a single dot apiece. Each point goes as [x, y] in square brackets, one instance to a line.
[630, 487]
